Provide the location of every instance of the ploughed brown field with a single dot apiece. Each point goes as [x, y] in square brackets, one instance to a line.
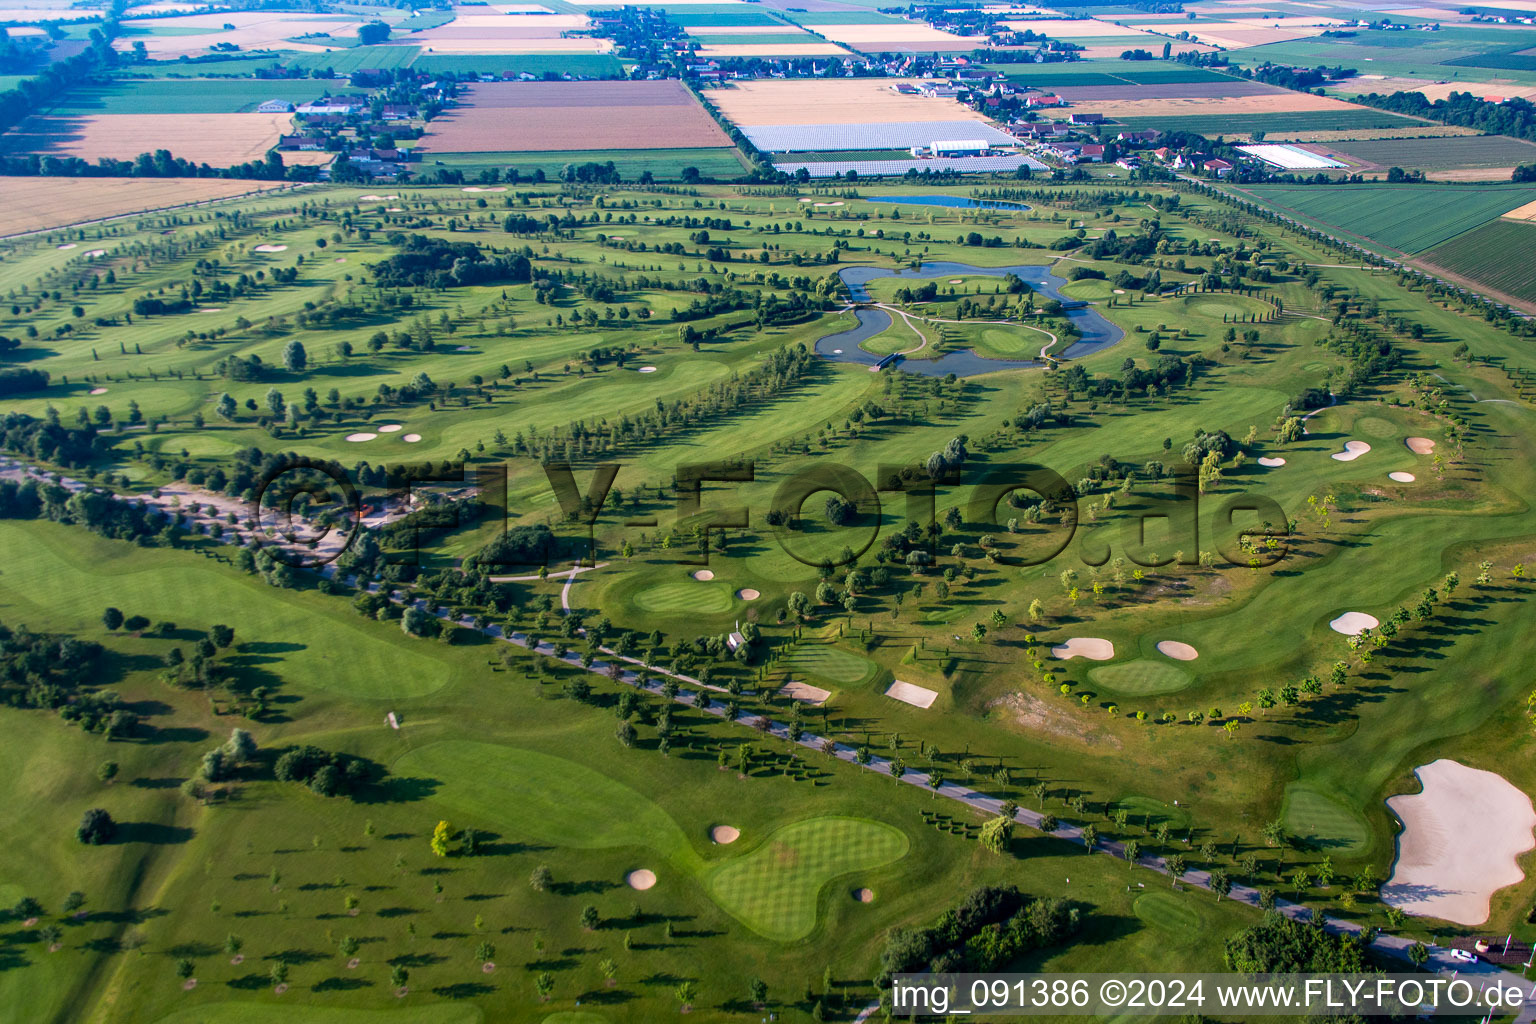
[217, 139]
[530, 117]
[37, 204]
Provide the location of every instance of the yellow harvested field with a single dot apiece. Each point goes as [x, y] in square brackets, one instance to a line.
[507, 44]
[1112, 52]
[510, 23]
[307, 158]
[835, 101]
[1441, 90]
[217, 139]
[1074, 28]
[1236, 36]
[39, 204]
[41, 14]
[1526, 212]
[890, 36]
[254, 30]
[1265, 103]
[705, 31]
[1469, 174]
[815, 49]
[1432, 13]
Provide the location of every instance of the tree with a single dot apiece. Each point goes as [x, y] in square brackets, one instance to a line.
[442, 839]
[1220, 884]
[485, 952]
[687, 991]
[1176, 868]
[608, 968]
[590, 918]
[996, 834]
[96, 827]
[541, 879]
[240, 748]
[107, 771]
[757, 991]
[73, 902]
[112, 619]
[184, 969]
[1090, 837]
[349, 947]
[295, 359]
[1418, 955]
[279, 974]
[398, 976]
[1132, 851]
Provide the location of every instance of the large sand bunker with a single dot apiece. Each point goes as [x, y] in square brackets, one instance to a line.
[1419, 445]
[1352, 623]
[644, 878]
[1177, 650]
[1352, 451]
[1091, 647]
[390, 428]
[724, 834]
[796, 690]
[748, 594]
[362, 435]
[703, 575]
[1460, 840]
[271, 248]
[910, 693]
[1271, 461]
[1402, 478]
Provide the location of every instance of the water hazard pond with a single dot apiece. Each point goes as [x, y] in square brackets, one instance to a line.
[1096, 334]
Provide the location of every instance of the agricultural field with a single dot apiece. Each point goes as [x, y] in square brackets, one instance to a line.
[1278, 127]
[40, 204]
[663, 164]
[1408, 219]
[189, 96]
[1494, 155]
[194, 35]
[1472, 53]
[220, 140]
[542, 116]
[843, 101]
[589, 66]
[1496, 255]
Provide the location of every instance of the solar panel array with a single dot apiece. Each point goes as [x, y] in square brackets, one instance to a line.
[809, 138]
[872, 168]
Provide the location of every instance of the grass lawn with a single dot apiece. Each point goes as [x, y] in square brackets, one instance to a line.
[1140, 678]
[830, 663]
[665, 164]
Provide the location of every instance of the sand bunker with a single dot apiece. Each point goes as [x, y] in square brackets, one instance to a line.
[395, 209]
[374, 199]
[1419, 445]
[1177, 650]
[1091, 647]
[411, 438]
[1271, 461]
[95, 253]
[1402, 478]
[647, 369]
[748, 594]
[98, 391]
[1119, 291]
[641, 879]
[837, 351]
[704, 574]
[361, 435]
[1460, 840]
[211, 309]
[478, 188]
[805, 692]
[390, 428]
[957, 280]
[909, 693]
[864, 895]
[1351, 623]
[724, 834]
[1352, 451]
[271, 248]
[68, 245]
[615, 238]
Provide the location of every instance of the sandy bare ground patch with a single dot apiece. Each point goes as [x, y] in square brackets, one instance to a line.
[361, 435]
[1352, 451]
[1401, 477]
[704, 575]
[501, 43]
[390, 428]
[1441, 90]
[1177, 650]
[748, 594]
[270, 248]
[217, 139]
[541, 116]
[815, 48]
[411, 438]
[1353, 623]
[911, 693]
[642, 879]
[1419, 445]
[98, 391]
[1271, 461]
[39, 203]
[839, 101]
[1460, 840]
[646, 369]
[805, 692]
[1285, 101]
[724, 835]
[1091, 647]
[1034, 715]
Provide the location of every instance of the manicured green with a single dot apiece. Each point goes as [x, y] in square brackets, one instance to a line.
[1142, 677]
[830, 663]
[775, 889]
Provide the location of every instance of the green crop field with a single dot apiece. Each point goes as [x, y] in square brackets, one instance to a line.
[1105, 72]
[193, 96]
[1452, 153]
[665, 164]
[356, 58]
[1215, 124]
[1406, 218]
[1497, 254]
[420, 820]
